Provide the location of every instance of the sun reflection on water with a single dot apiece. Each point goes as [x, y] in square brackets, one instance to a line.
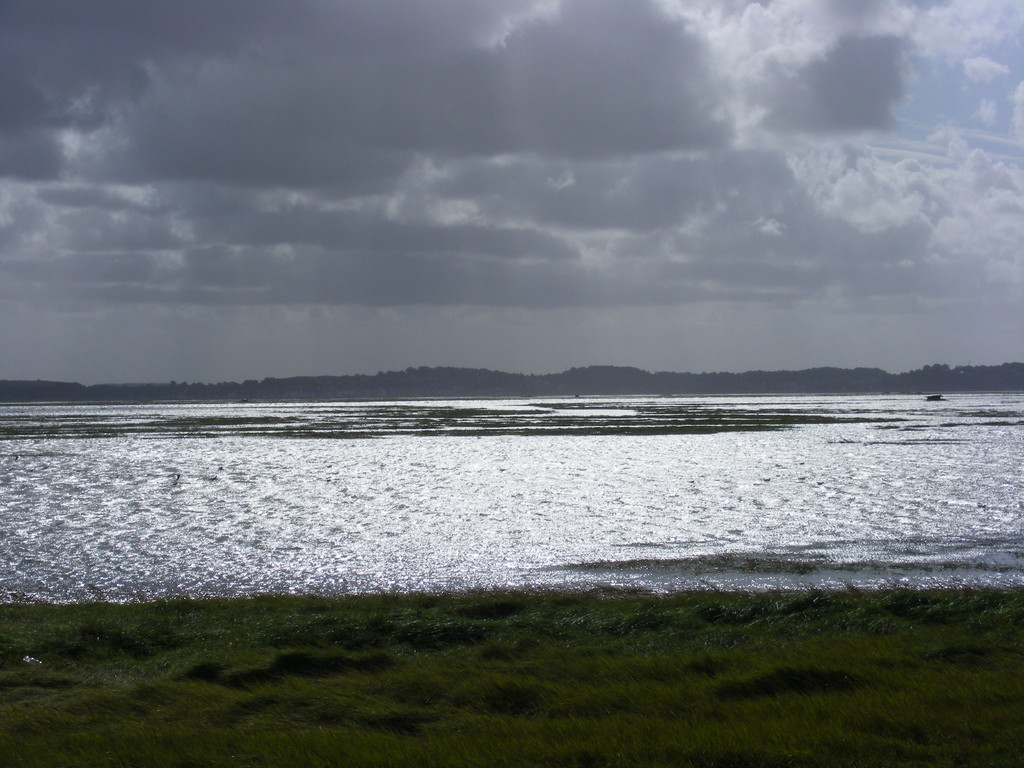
[135, 502]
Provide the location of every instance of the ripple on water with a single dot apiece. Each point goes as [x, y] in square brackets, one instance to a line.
[828, 504]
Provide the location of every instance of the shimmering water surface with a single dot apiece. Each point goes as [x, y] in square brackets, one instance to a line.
[122, 502]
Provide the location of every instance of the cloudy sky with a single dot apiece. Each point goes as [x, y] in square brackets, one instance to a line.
[209, 190]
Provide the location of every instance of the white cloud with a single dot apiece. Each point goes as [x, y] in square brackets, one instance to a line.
[789, 61]
[960, 29]
[987, 111]
[982, 70]
[1017, 100]
[769, 226]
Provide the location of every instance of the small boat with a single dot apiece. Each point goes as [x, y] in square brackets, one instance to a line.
[934, 397]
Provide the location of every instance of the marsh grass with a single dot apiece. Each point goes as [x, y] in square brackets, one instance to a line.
[346, 422]
[898, 678]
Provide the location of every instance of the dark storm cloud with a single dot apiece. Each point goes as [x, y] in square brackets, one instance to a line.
[722, 213]
[370, 280]
[597, 156]
[81, 272]
[749, 267]
[650, 192]
[354, 231]
[25, 105]
[861, 264]
[98, 231]
[601, 78]
[87, 197]
[854, 87]
[313, 92]
[32, 155]
[77, 65]
[73, 61]
[735, 226]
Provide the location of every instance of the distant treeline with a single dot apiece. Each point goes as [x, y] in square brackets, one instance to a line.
[592, 380]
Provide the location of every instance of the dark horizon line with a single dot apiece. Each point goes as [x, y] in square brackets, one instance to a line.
[472, 369]
[590, 380]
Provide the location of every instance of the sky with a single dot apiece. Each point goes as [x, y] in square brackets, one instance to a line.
[215, 190]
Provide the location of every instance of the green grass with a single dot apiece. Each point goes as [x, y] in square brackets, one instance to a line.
[892, 678]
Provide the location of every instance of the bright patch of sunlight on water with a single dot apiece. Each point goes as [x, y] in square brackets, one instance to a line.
[143, 501]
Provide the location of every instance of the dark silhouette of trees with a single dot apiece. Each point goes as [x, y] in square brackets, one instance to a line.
[592, 380]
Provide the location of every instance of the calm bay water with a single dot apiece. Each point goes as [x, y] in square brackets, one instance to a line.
[122, 502]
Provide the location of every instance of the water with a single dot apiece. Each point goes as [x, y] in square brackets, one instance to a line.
[119, 502]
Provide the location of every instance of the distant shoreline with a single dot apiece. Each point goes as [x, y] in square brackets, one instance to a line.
[592, 380]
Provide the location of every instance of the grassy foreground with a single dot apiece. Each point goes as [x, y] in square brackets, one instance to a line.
[897, 678]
